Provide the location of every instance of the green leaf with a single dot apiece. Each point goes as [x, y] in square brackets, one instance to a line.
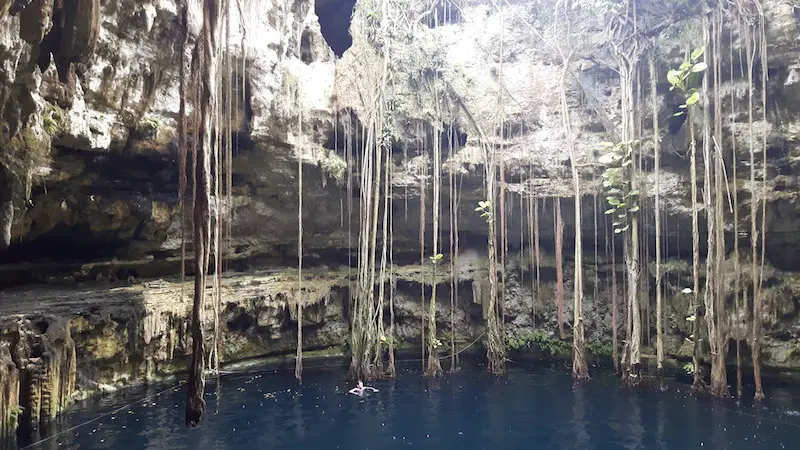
[694, 98]
[634, 209]
[610, 211]
[684, 67]
[698, 52]
[606, 159]
[633, 192]
[613, 201]
[626, 228]
[699, 67]
[673, 76]
[679, 113]
[617, 230]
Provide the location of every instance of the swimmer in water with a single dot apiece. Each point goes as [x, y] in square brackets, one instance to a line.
[361, 389]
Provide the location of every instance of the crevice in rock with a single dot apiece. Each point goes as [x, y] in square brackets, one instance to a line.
[305, 47]
[334, 21]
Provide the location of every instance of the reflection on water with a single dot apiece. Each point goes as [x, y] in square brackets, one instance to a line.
[530, 408]
[579, 425]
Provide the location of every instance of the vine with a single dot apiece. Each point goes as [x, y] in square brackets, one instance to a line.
[685, 80]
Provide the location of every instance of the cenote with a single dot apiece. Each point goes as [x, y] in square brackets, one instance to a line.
[188, 185]
[530, 407]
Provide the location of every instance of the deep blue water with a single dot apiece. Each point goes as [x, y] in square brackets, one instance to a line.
[531, 408]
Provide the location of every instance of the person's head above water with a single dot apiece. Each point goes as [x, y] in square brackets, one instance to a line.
[360, 389]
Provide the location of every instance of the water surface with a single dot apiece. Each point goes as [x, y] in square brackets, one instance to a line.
[531, 408]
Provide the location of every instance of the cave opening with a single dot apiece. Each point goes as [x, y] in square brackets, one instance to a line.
[334, 22]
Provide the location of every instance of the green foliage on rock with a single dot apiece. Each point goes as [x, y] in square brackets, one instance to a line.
[599, 349]
[685, 78]
[540, 340]
[623, 201]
